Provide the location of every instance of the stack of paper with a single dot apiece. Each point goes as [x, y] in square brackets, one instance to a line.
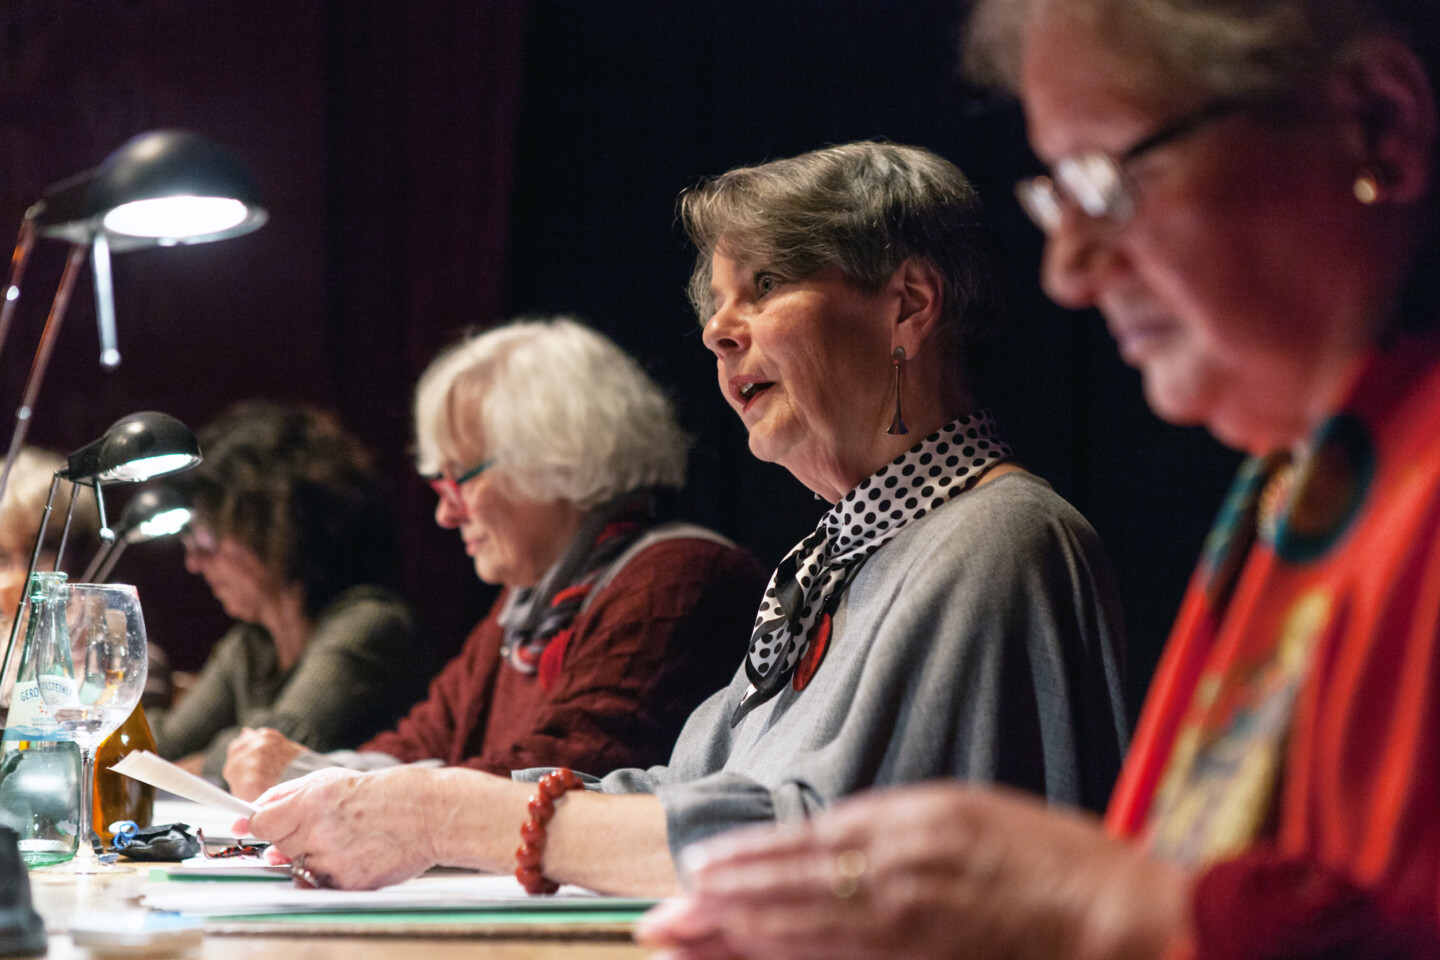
[444, 905]
[469, 892]
[441, 903]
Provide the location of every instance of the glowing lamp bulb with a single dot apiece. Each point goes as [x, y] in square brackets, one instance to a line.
[149, 467]
[164, 524]
[175, 218]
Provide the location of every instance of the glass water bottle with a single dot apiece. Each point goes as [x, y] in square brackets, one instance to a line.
[39, 766]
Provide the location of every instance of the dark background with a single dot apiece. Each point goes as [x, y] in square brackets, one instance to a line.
[431, 166]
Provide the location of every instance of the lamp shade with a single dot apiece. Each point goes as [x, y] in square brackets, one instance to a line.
[137, 447]
[153, 512]
[159, 188]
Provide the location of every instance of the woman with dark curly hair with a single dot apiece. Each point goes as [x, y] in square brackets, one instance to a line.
[289, 538]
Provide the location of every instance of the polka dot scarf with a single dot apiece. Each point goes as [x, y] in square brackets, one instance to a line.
[810, 581]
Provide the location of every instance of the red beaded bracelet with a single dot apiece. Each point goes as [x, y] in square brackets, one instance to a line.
[542, 807]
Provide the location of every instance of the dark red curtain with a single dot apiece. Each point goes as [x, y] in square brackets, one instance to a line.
[382, 136]
[422, 178]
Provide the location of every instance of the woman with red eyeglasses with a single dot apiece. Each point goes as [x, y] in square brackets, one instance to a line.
[289, 534]
[553, 455]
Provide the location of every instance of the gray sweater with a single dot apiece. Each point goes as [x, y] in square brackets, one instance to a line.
[983, 642]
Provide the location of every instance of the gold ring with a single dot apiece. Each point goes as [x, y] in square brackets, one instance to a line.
[850, 867]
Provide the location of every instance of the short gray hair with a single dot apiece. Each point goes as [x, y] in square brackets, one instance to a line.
[865, 208]
[1187, 50]
[1231, 48]
[565, 413]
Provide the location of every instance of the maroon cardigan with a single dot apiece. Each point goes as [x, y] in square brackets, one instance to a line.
[669, 629]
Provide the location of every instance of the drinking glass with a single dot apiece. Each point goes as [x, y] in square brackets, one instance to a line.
[90, 665]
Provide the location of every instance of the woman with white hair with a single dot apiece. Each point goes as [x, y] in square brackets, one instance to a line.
[552, 452]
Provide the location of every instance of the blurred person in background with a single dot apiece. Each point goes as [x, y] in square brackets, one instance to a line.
[290, 535]
[20, 513]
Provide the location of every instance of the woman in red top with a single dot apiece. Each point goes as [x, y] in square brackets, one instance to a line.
[1247, 192]
[551, 452]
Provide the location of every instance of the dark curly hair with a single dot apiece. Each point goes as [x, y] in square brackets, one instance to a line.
[291, 485]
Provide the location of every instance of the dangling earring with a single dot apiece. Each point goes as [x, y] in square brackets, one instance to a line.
[1367, 186]
[897, 425]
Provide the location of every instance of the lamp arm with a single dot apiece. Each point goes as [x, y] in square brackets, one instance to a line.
[70, 515]
[18, 260]
[106, 534]
[105, 301]
[98, 562]
[111, 558]
[25, 591]
[41, 360]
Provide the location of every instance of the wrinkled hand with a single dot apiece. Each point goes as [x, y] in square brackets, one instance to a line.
[356, 830]
[931, 871]
[256, 759]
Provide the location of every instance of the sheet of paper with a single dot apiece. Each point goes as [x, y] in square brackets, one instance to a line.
[467, 892]
[230, 868]
[144, 766]
[216, 823]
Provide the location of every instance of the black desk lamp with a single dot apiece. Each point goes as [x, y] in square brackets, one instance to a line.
[152, 513]
[138, 447]
[161, 188]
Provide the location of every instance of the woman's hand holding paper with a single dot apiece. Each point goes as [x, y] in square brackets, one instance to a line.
[334, 817]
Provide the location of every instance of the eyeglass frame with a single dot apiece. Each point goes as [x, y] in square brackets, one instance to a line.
[447, 486]
[1043, 197]
[200, 539]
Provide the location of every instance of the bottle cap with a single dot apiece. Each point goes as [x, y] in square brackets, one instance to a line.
[122, 833]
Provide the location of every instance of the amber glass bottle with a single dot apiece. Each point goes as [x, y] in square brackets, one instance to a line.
[117, 797]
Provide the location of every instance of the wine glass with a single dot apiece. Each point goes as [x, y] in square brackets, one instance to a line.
[90, 663]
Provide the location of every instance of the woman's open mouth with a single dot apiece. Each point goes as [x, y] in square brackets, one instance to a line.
[749, 391]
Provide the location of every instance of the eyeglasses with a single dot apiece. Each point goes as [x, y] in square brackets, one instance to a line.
[1095, 181]
[447, 485]
[199, 539]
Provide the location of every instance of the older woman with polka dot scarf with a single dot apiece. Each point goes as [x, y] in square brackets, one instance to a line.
[951, 616]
